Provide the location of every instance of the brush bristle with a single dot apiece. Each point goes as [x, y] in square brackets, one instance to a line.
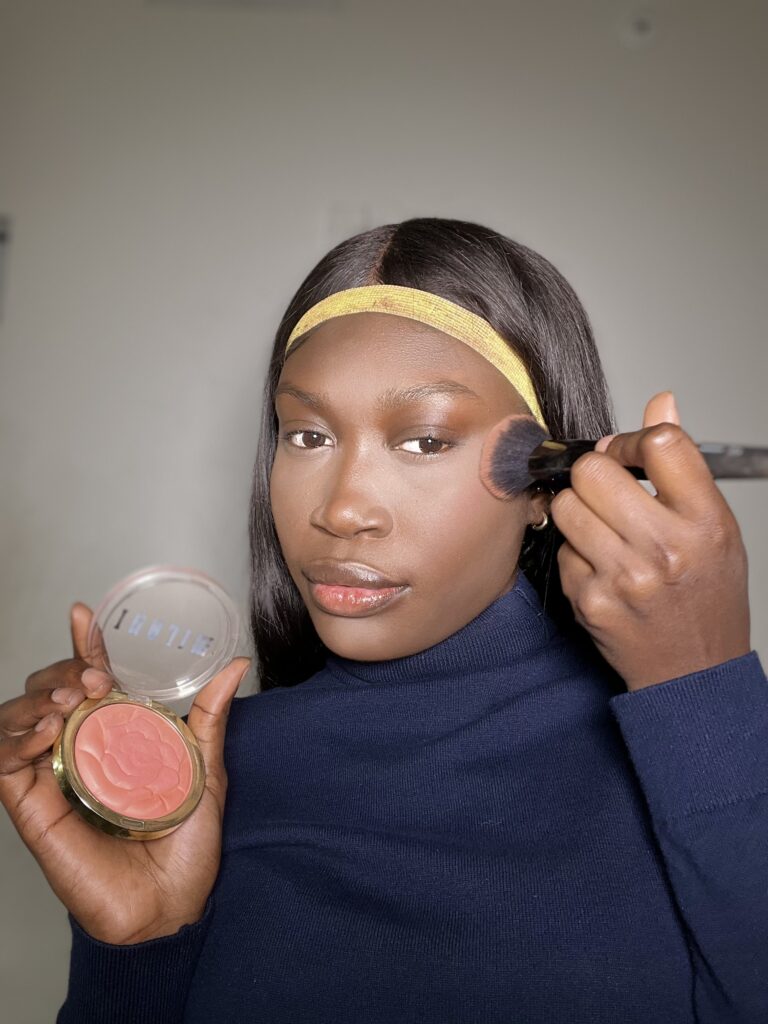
[506, 450]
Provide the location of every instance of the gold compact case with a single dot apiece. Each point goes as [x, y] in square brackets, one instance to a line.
[128, 763]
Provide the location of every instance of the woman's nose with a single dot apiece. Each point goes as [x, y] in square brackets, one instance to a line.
[351, 502]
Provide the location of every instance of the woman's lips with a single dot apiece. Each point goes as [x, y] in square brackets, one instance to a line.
[350, 589]
[352, 602]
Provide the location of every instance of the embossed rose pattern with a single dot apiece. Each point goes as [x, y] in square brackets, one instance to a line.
[133, 761]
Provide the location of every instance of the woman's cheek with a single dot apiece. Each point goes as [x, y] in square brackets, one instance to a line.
[289, 498]
[489, 535]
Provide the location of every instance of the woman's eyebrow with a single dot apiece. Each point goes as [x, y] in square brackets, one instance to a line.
[391, 399]
[313, 401]
[395, 397]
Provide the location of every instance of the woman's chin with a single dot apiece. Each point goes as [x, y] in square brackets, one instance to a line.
[357, 640]
[379, 637]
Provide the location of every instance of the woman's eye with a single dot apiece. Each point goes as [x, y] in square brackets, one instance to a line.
[307, 439]
[424, 445]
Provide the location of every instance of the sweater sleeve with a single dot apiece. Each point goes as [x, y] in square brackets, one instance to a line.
[146, 982]
[699, 745]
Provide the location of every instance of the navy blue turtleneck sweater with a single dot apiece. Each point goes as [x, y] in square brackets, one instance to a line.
[487, 832]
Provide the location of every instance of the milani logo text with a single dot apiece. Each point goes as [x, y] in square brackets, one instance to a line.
[169, 634]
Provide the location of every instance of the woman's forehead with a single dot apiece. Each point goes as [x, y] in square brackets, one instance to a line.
[373, 351]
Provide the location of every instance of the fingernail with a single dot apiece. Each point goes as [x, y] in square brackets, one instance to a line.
[67, 697]
[47, 721]
[603, 443]
[673, 407]
[93, 679]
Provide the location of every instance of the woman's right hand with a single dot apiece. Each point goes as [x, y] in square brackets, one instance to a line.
[119, 890]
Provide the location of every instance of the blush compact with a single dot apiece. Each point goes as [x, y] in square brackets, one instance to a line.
[128, 763]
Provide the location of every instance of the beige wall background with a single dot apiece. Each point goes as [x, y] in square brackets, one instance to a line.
[173, 169]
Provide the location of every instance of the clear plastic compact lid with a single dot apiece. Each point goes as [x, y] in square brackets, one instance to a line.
[164, 632]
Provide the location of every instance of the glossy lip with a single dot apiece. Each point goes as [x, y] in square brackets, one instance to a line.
[350, 590]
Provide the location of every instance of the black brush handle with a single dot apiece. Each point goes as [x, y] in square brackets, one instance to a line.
[552, 460]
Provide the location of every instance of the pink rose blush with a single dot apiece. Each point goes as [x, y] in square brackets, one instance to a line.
[133, 761]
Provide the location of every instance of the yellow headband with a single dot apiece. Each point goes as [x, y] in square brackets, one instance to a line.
[434, 311]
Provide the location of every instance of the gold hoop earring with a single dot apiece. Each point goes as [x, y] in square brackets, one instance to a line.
[542, 525]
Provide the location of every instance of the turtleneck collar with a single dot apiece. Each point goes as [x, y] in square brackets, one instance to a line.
[506, 632]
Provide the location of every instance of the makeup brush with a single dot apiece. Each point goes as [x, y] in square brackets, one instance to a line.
[517, 453]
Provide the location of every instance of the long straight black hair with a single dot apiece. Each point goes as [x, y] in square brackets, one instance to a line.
[525, 299]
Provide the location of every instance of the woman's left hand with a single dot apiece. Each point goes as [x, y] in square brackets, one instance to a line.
[660, 582]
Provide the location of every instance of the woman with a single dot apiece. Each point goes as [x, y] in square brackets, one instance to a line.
[446, 805]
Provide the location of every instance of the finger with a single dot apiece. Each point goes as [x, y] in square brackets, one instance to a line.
[80, 618]
[208, 721]
[23, 713]
[87, 638]
[70, 674]
[591, 603]
[616, 498]
[662, 408]
[67, 673]
[20, 751]
[575, 571]
[96, 683]
[674, 465]
[603, 442]
[588, 534]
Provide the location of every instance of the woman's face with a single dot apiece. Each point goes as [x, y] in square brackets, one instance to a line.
[385, 526]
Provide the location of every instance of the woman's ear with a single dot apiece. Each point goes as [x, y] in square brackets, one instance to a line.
[538, 507]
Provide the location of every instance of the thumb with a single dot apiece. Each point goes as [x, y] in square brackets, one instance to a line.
[80, 622]
[662, 408]
[208, 721]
